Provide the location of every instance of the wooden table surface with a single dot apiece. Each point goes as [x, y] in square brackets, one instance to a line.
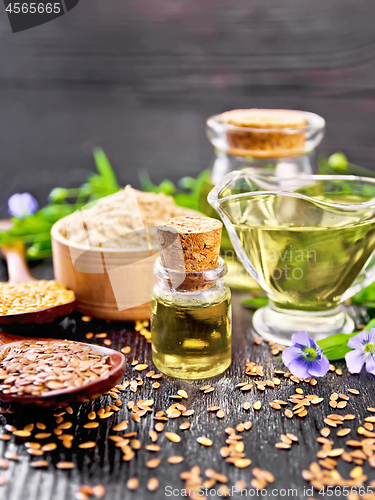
[104, 465]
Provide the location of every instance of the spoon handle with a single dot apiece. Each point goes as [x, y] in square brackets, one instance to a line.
[6, 338]
[17, 267]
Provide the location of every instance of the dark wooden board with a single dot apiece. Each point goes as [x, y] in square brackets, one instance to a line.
[140, 77]
[104, 464]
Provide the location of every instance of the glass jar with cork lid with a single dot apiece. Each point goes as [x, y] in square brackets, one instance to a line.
[190, 324]
[277, 142]
[271, 142]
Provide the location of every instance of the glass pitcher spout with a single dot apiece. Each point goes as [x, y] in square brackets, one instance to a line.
[308, 241]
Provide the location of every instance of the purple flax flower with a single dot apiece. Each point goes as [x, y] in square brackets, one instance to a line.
[305, 358]
[22, 205]
[363, 346]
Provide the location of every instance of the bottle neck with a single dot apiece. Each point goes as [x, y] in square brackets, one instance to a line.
[277, 167]
[189, 281]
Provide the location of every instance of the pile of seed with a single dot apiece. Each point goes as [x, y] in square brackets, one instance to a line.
[31, 296]
[324, 473]
[194, 482]
[37, 367]
[41, 440]
[85, 492]
[234, 452]
[141, 327]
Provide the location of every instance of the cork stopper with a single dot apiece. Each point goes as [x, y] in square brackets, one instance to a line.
[281, 132]
[189, 245]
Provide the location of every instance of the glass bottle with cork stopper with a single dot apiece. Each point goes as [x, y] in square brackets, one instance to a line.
[191, 329]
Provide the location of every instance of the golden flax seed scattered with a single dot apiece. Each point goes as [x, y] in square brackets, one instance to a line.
[42, 435]
[188, 413]
[153, 484]
[132, 483]
[204, 387]
[175, 459]
[152, 447]
[136, 444]
[242, 463]
[121, 426]
[49, 447]
[354, 391]
[39, 463]
[153, 463]
[204, 441]
[172, 436]
[247, 387]
[336, 452]
[185, 426]
[22, 433]
[343, 432]
[91, 425]
[65, 465]
[292, 437]
[257, 405]
[87, 445]
[316, 401]
[140, 367]
[341, 404]
[283, 446]
[98, 491]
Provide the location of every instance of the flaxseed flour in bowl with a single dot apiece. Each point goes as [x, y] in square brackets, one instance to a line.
[106, 251]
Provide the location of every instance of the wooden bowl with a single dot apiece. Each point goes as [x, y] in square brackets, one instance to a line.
[109, 283]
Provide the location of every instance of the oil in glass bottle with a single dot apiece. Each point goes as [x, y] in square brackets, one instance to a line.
[191, 305]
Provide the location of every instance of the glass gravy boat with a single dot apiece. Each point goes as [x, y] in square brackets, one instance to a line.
[309, 241]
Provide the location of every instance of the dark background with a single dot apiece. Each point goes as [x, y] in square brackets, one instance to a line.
[139, 78]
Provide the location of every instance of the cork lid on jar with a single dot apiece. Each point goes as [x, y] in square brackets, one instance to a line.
[265, 133]
[264, 118]
[190, 245]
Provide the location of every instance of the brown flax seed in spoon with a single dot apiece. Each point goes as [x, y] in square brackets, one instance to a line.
[51, 372]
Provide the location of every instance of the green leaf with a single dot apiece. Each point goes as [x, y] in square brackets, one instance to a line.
[365, 295]
[335, 347]
[255, 302]
[35, 229]
[107, 175]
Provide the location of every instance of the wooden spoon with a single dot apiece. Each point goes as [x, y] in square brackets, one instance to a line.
[18, 272]
[70, 395]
